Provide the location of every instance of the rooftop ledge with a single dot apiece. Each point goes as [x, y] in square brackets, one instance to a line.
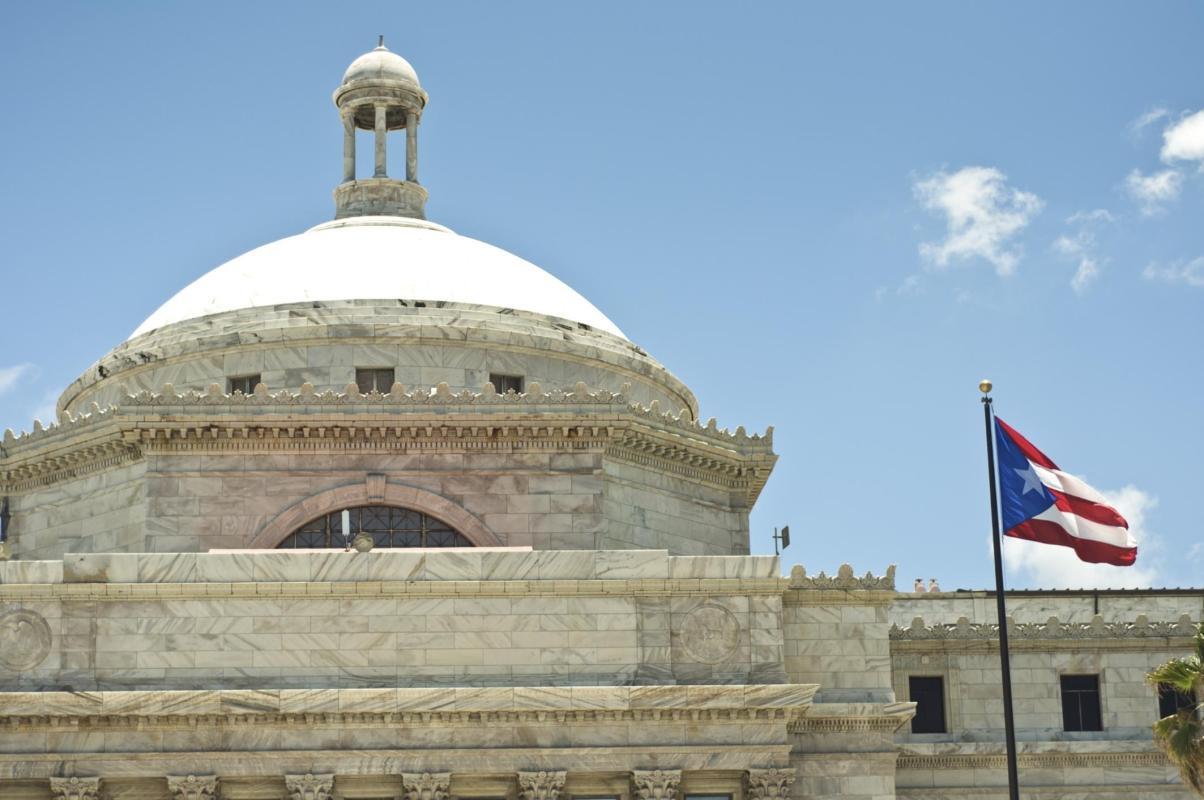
[787, 701]
[411, 566]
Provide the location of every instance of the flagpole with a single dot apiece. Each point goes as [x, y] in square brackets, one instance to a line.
[1000, 604]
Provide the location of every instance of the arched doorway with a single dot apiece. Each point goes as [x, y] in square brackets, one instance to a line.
[389, 526]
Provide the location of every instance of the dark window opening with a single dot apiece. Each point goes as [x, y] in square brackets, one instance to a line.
[506, 383]
[1172, 701]
[387, 525]
[242, 383]
[929, 696]
[373, 379]
[1080, 703]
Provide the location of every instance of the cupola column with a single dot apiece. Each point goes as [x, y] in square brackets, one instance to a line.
[348, 146]
[412, 146]
[381, 115]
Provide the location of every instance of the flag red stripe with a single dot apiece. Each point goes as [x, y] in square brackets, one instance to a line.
[1028, 448]
[1046, 532]
[1087, 509]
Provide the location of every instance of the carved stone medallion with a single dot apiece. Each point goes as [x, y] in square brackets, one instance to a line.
[24, 639]
[710, 634]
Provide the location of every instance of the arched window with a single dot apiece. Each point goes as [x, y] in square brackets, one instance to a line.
[388, 526]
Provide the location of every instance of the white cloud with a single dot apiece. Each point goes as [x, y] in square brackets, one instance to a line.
[1153, 191]
[1190, 273]
[1147, 119]
[1094, 215]
[1184, 140]
[982, 214]
[1047, 566]
[1080, 246]
[9, 376]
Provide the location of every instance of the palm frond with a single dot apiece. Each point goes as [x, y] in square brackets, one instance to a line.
[1181, 735]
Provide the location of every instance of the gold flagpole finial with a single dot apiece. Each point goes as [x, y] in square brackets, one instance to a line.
[984, 386]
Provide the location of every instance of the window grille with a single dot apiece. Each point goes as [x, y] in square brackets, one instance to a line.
[388, 526]
[1080, 703]
[1172, 701]
[506, 383]
[370, 379]
[242, 383]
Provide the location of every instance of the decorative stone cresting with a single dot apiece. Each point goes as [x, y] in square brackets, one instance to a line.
[541, 785]
[1050, 629]
[192, 787]
[844, 579]
[425, 785]
[309, 786]
[656, 784]
[75, 788]
[769, 784]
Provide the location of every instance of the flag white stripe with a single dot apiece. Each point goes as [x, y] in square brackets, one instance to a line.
[1081, 528]
[1068, 484]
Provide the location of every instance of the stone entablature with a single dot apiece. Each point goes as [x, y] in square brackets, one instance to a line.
[755, 783]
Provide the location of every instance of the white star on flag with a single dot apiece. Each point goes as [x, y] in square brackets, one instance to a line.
[1032, 483]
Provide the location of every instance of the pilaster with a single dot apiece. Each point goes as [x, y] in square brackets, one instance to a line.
[656, 784]
[309, 786]
[192, 787]
[75, 788]
[769, 784]
[540, 785]
[425, 785]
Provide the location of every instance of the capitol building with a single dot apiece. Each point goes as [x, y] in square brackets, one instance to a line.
[381, 512]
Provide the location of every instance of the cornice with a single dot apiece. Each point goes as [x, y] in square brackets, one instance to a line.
[1143, 758]
[642, 587]
[417, 707]
[423, 420]
[1052, 634]
[828, 718]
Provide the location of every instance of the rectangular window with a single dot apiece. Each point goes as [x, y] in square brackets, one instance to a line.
[242, 383]
[506, 383]
[1080, 703]
[929, 696]
[1172, 701]
[374, 379]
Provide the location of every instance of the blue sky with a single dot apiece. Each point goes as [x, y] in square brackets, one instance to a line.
[833, 218]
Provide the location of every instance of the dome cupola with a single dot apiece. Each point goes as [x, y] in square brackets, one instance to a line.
[380, 92]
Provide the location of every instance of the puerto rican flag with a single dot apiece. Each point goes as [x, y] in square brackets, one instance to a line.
[1042, 503]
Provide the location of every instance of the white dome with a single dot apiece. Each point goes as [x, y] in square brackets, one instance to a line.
[378, 258]
[380, 65]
